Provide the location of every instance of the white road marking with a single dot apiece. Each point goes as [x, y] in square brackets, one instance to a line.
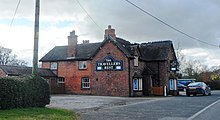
[201, 111]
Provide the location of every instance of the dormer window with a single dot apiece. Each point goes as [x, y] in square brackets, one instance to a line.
[82, 65]
[136, 61]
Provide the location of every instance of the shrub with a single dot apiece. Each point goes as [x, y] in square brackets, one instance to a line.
[25, 91]
[214, 84]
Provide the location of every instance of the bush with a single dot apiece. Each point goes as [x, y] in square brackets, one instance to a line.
[214, 84]
[22, 92]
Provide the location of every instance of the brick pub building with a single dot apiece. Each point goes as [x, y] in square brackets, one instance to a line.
[114, 67]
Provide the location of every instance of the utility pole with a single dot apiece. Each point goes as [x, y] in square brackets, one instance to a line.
[36, 38]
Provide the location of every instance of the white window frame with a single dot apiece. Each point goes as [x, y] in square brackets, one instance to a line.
[82, 65]
[60, 82]
[173, 83]
[135, 84]
[84, 83]
[138, 86]
[53, 65]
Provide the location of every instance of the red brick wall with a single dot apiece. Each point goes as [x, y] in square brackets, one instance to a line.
[46, 65]
[70, 71]
[110, 83]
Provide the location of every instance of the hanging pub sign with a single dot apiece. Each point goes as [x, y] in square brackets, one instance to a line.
[109, 63]
[174, 66]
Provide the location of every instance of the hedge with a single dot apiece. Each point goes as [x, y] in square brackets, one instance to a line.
[22, 92]
[214, 84]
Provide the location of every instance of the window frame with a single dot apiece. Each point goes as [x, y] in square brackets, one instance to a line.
[136, 61]
[52, 65]
[138, 85]
[82, 65]
[85, 84]
[60, 82]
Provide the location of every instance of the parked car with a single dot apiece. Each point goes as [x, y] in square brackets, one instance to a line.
[186, 81]
[198, 88]
[181, 87]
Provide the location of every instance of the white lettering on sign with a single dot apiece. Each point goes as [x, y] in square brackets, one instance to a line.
[109, 63]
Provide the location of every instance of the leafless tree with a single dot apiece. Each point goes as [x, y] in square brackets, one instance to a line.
[189, 68]
[7, 58]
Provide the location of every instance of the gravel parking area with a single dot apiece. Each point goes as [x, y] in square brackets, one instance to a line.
[84, 103]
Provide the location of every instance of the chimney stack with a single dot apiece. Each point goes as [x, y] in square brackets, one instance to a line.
[72, 44]
[110, 32]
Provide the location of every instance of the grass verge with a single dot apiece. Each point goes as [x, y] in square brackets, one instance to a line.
[38, 114]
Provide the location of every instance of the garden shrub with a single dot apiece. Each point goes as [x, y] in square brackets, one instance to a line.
[214, 84]
[23, 91]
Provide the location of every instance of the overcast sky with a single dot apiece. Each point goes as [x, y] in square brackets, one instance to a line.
[197, 18]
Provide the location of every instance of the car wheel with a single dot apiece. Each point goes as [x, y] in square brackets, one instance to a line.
[210, 93]
[194, 94]
[205, 93]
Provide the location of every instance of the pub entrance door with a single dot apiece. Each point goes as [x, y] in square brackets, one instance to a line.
[147, 85]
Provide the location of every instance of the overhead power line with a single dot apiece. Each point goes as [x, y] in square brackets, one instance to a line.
[88, 15]
[194, 38]
[15, 12]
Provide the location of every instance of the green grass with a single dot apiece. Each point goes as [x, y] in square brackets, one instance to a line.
[37, 114]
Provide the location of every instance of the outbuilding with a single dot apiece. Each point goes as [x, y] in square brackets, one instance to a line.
[56, 83]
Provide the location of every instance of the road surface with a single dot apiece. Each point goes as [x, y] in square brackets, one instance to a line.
[142, 108]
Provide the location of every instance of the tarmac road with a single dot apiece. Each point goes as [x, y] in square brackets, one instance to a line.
[138, 108]
[210, 112]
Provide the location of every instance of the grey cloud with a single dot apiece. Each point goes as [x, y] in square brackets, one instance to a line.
[197, 18]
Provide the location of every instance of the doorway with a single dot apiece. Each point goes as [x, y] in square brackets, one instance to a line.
[147, 85]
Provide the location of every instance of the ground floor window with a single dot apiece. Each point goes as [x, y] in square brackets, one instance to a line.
[60, 82]
[85, 83]
[137, 84]
[173, 83]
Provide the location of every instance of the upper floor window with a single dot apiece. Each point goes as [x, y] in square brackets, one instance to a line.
[136, 61]
[82, 65]
[53, 65]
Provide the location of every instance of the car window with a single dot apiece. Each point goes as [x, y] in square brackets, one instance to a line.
[185, 82]
[192, 84]
[195, 84]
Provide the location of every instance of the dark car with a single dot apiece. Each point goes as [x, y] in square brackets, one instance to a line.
[198, 88]
[186, 81]
[181, 87]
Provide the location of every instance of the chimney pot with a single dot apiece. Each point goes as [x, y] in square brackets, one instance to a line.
[72, 33]
[85, 41]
